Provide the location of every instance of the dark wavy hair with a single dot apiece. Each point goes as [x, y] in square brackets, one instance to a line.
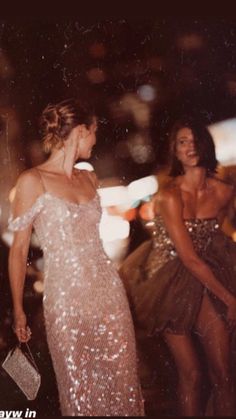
[58, 120]
[203, 142]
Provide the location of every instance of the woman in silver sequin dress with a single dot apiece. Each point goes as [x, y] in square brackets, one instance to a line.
[88, 322]
[183, 280]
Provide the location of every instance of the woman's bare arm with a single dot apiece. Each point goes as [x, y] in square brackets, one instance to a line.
[27, 191]
[170, 206]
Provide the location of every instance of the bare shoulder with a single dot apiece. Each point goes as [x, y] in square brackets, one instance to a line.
[224, 190]
[29, 175]
[28, 188]
[29, 180]
[168, 196]
[169, 192]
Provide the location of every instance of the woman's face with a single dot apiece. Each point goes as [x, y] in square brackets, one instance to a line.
[85, 140]
[185, 148]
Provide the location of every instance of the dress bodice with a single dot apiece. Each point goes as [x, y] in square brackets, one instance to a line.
[58, 221]
[67, 232]
[201, 232]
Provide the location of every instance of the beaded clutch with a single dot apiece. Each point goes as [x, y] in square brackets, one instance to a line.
[23, 370]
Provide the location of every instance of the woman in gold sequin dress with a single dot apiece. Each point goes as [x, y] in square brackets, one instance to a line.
[88, 322]
[183, 280]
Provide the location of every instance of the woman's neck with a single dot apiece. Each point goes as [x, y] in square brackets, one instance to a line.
[61, 162]
[195, 178]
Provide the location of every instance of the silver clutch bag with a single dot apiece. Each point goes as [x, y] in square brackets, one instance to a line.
[23, 370]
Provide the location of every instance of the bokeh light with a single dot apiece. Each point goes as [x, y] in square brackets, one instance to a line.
[224, 136]
[147, 92]
[96, 75]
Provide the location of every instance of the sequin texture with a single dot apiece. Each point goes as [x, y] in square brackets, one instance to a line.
[201, 231]
[88, 322]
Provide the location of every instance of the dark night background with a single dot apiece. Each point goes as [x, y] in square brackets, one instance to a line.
[190, 62]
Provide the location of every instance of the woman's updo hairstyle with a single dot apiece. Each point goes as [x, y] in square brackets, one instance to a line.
[57, 121]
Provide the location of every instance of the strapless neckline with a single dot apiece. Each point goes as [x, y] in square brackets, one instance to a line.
[200, 219]
[194, 219]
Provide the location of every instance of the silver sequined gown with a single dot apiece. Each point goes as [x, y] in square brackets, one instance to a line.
[88, 322]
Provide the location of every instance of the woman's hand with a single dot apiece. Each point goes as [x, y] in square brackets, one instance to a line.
[231, 313]
[20, 328]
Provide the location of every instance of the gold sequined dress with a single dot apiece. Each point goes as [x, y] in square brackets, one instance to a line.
[163, 293]
[88, 322]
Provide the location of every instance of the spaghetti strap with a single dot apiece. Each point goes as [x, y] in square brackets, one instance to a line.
[41, 178]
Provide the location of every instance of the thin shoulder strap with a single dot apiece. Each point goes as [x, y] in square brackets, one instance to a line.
[41, 178]
[93, 179]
